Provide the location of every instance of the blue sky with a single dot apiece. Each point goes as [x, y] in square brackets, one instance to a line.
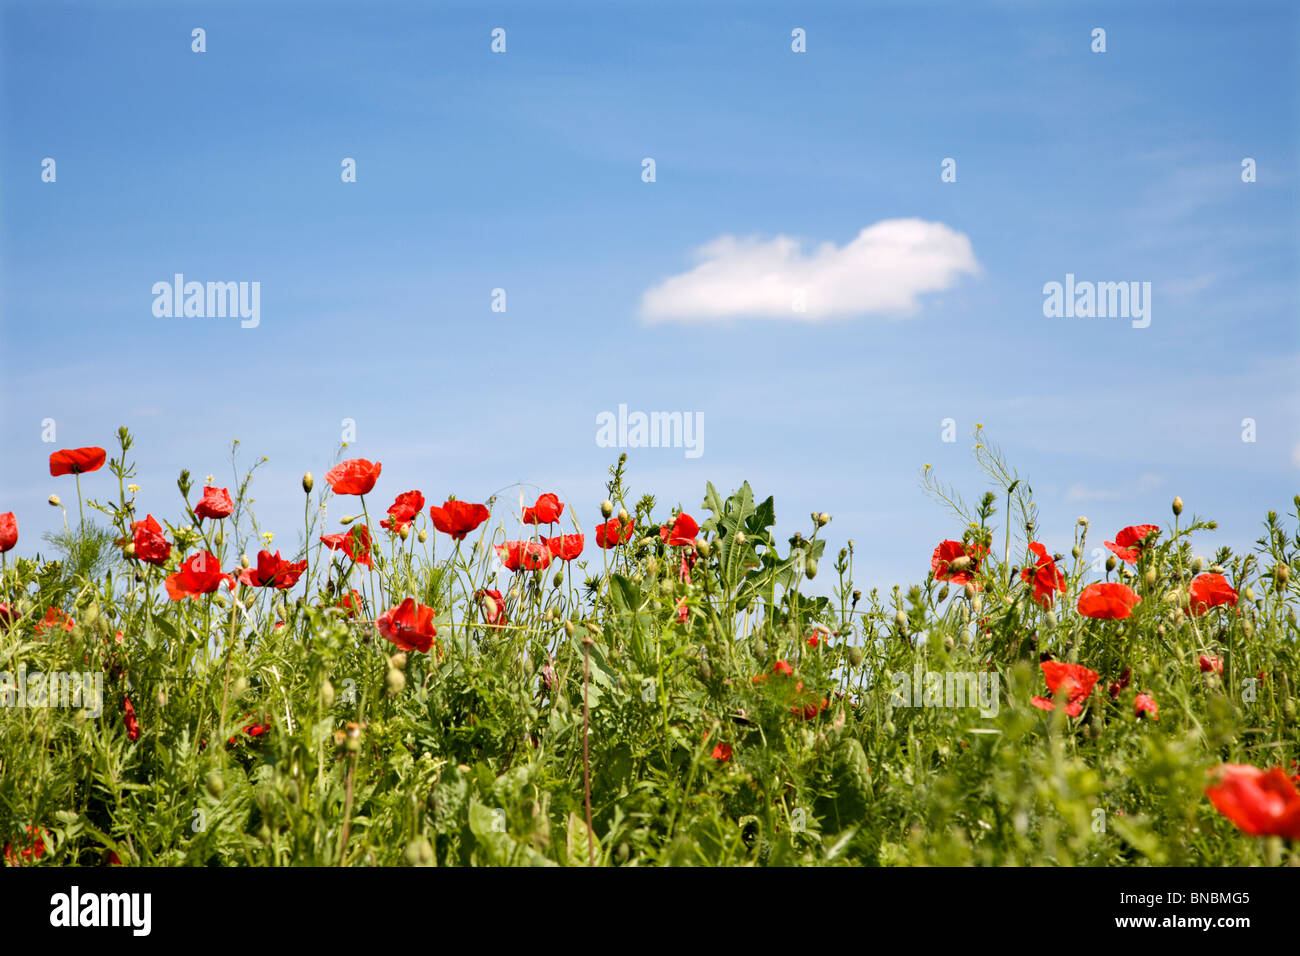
[523, 171]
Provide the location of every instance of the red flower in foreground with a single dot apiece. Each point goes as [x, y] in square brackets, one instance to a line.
[1210, 590]
[722, 752]
[493, 606]
[523, 555]
[1073, 680]
[214, 504]
[77, 461]
[782, 668]
[7, 615]
[1208, 664]
[151, 545]
[55, 617]
[611, 533]
[132, 725]
[351, 603]
[1146, 704]
[29, 849]
[956, 562]
[682, 532]
[273, 571]
[1118, 685]
[403, 511]
[409, 626]
[1107, 601]
[199, 574]
[356, 476]
[547, 510]
[355, 543]
[458, 518]
[256, 729]
[1260, 802]
[1128, 543]
[8, 531]
[566, 547]
[1045, 576]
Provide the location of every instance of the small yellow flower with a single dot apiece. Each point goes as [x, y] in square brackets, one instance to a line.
[211, 480]
[927, 467]
[267, 536]
[133, 488]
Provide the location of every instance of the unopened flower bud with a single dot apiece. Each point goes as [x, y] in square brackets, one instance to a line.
[1282, 573]
[244, 561]
[740, 537]
[1111, 562]
[398, 661]
[423, 536]
[326, 694]
[622, 516]
[606, 508]
[55, 502]
[970, 590]
[901, 619]
[347, 519]
[823, 519]
[129, 550]
[1075, 552]
[404, 532]
[702, 548]
[1082, 521]
[395, 681]
[1198, 564]
[960, 565]
[308, 482]
[1177, 507]
[810, 568]
[558, 579]
[1150, 577]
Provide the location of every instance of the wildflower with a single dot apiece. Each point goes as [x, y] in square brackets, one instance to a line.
[403, 511]
[214, 504]
[355, 543]
[612, 533]
[957, 562]
[682, 532]
[199, 574]
[272, 571]
[132, 725]
[33, 849]
[357, 476]
[8, 531]
[55, 617]
[566, 547]
[1260, 802]
[722, 752]
[409, 626]
[493, 606]
[1210, 590]
[77, 461]
[458, 518]
[147, 542]
[523, 555]
[1046, 577]
[1073, 680]
[546, 510]
[1146, 704]
[1107, 601]
[1209, 664]
[1128, 544]
[1118, 685]
[351, 603]
[683, 612]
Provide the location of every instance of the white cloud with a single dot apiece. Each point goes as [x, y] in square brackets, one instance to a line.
[1081, 492]
[884, 271]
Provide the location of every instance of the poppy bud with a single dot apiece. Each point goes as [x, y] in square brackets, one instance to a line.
[418, 853]
[959, 565]
[823, 520]
[558, 579]
[398, 661]
[215, 784]
[326, 694]
[308, 482]
[740, 537]
[244, 562]
[395, 681]
[1051, 618]
[977, 604]
[1150, 577]
[855, 656]
[970, 590]
[55, 502]
[606, 508]
[1075, 552]
[239, 688]
[948, 642]
[1177, 507]
[901, 620]
[218, 537]
[810, 568]
[857, 595]
[568, 628]
[129, 550]
[943, 593]
[622, 516]
[1083, 521]
[405, 532]
[702, 548]
[1110, 563]
[347, 519]
[1198, 564]
[1281, 573]
[162, 697]
[423, 536]
[1249, 594]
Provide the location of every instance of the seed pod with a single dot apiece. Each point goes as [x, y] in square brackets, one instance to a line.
[418, 853]
[810, 568]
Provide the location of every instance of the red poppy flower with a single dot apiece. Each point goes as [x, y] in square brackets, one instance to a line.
[1118, 685]
[523, 555]
[1074, 680]
[214, 504]
[355, 543]
[1107, 601]
[722, 752]
[807, 707]
[547, 510]
[30, 848]
[151, 545]
[1146, 704]
[356, 476]
[409, 626]
[132, 725]
[1208, 664]
[566, 547]
[611, 533]
[493, 606]
[8, 531]
[272, 571]
[352, 603]
[7, 615]
[257, 728]
[683, 612]
[780, 667]
[1210, 590]
[458, 518]
[55, 617]
[77, 461]
[1128, 543]
[682, 532]
[957, 562]
[199, 574]
[403, 511]
[1260, 802]
[1045, 576]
